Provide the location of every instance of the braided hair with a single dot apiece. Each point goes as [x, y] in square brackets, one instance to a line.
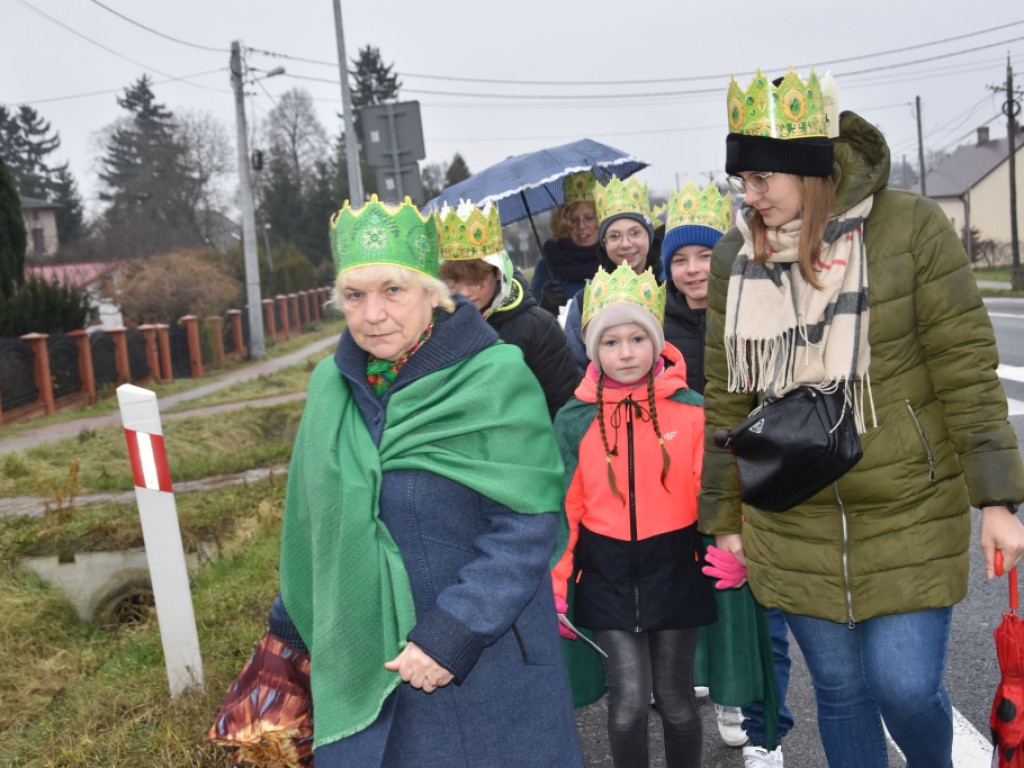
[613, 450]
[665, 460]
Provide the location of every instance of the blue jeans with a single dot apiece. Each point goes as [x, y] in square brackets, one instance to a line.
[888, 668]
[753, 715]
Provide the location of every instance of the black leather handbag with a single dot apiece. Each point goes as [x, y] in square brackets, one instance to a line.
[790, 448]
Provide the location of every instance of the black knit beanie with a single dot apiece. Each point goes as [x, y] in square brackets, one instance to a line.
[810, 156]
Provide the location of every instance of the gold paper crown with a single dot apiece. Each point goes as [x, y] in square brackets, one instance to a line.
[470, 233]
[618, 196]
[578, 188]
[793, 110]
[623, 285]
[692, 206]
[381, 234]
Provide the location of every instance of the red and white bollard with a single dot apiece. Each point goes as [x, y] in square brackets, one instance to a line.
[140, 416]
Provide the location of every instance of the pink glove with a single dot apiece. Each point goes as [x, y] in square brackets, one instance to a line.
[562, 608]
[725, 567]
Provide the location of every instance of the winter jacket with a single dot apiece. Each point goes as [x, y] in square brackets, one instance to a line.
[565, 263]
[684, 328]
[635, 561]
[545, 348]
[478, 573]
[893, 535]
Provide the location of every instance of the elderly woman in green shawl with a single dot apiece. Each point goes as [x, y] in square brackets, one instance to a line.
[419, 520]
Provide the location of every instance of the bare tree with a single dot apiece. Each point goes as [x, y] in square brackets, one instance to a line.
[297, 138]
[209, 155]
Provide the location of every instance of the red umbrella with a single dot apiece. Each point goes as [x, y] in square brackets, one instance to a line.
[1007, 718]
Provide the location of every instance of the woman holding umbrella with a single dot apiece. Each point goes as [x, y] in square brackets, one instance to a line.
[571, 256]
[832, 281]
[626, 235]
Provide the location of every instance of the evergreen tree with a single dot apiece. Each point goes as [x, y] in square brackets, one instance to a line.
[12, 239]
[149, 186]
[372, 83]
[457, 171]
[71, 216]
[26, 143]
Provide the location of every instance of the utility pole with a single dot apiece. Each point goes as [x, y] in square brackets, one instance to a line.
[355, 180]
[1011, 108]
[920, 145]
[257, 349]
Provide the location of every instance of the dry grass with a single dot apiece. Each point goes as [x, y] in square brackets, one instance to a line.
[257, 437]
[77, 696]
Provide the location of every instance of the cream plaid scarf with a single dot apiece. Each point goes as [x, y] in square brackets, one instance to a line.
[782, 333]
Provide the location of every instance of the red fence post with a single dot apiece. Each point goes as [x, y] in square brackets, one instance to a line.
[152, 358]
[85, 369]
[282, 306]
[41, 368]
[195, 349]
[124, 372]
[293, 312]
[217, 323]
[236, 331]
[164, 341]
[268, 314]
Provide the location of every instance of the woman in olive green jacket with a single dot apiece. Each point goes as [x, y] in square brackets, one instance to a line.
[868, 569]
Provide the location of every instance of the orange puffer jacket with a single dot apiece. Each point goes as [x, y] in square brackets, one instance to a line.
[635, 560]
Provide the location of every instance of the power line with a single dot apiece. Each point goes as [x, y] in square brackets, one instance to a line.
[653, 81]
[73, 31]
[109, 91]
[661, 94]
[158, 32]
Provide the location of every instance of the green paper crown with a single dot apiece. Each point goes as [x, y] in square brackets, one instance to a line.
[794, 110]
[578, 188]
[470, 233]
[693, 206]
[378, 234]
[623, 285]
[618, 196]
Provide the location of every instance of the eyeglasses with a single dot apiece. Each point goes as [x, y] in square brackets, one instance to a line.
[756, 181]
[619, 238]
[578, 221]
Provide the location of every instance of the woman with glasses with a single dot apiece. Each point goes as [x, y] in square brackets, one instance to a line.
[626, 235]
[570, 256]
[833, 281]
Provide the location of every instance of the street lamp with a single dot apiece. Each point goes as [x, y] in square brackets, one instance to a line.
[257, 348]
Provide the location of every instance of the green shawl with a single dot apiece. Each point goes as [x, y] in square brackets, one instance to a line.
[481, 422]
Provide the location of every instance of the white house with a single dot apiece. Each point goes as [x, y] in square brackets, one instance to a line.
[40, 226]
[972, 186]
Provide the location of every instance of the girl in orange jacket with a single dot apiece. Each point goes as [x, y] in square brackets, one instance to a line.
[632, 441]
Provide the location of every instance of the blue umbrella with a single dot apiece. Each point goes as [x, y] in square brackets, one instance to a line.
[524, 185]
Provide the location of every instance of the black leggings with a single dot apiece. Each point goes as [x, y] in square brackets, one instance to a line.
[638, 661]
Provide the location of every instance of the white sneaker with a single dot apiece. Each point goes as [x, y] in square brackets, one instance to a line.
[759, 757]
[730, 725]
[701, 691]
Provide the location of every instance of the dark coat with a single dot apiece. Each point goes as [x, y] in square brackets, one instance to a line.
[684, 329]
[893, 535]
[484, 606]
[545, 348]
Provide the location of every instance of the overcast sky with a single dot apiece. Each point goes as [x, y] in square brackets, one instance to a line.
[498, 79]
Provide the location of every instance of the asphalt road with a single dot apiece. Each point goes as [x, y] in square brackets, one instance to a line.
[972, 671]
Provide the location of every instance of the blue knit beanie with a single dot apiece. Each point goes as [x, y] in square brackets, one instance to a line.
[687, 234]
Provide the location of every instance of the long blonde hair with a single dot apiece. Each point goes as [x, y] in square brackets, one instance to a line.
[817, 204]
